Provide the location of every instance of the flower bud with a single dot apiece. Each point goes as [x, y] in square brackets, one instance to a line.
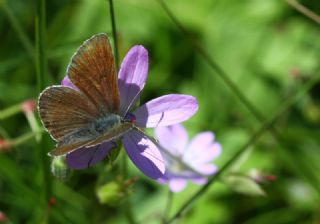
[52, 202]
[59, 168]
[29, 106]
[3, 217]
[5, 145]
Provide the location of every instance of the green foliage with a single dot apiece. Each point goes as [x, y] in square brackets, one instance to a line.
[266, 48]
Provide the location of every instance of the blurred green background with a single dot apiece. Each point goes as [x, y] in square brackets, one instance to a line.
[268, 49]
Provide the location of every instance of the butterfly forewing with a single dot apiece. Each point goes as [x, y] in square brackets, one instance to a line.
[92, 70]
[64, 110]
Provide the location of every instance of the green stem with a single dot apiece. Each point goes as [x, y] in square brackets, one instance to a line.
[266, 125]
[10, 111]
[129, 213]
[114, 33]
[25, 138]
[168, 206]
[304, 10]
[41, 56]
[41, 70]
[128, 207]
[3, 133]
[34, 125]
[124, 166]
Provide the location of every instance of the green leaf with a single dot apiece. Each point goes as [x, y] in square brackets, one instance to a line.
[244, 185]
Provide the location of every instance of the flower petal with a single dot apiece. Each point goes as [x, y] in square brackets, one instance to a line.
[202, 149]
[166, 110]
[162, 180]
[132, 77]
[199, 180]
[67, 82]
[177, 184]
[85, 157]
[207, 169]
[144, 154]
[201, 140]
[173, 138]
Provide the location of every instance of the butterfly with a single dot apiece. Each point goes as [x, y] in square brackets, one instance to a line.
[90, 115]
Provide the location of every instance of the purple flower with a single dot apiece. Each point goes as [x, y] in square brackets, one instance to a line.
[186, 161]
[165, 110]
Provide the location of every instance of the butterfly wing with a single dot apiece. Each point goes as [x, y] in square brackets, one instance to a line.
[64, 149]
[64, 110]
[92, 70]
[114, 133]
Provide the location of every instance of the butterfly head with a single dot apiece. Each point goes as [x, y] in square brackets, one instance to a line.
[130, 118]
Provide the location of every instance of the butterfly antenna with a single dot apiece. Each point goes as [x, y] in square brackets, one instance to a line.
[132, 101]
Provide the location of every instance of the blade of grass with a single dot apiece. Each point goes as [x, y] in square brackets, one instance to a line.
[26, 42]
[114, 33]
[304, 10]
[41, 70]
[41, 57]
[14, 175]
[167, 209]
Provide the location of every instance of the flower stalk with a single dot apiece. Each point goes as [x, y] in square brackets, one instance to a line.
[10, 111]
[114, 33]
[41, 72]
[168, 206]
[29, 107]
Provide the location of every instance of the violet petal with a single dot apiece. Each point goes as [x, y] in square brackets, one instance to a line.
[202, 149]
[207, 169]
[162, 180]
[67, 82]
[132, 77]
[144, 154]
[85, 157]
[166, 110]
[199, 180]
[177, 184]
[173, 138]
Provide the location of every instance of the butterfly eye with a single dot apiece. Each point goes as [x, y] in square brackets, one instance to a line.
[130, 118]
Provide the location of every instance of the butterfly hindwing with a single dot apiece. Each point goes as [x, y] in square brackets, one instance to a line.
[64, 110]
[111, 135]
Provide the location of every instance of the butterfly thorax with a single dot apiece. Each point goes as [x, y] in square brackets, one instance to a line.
[93, 130]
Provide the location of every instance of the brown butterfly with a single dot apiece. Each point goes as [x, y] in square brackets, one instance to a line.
[89, 116]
